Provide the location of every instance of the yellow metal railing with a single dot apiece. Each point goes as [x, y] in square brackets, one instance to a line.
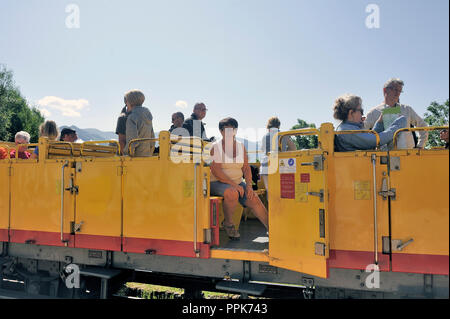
[99, 142]
[303, 131]
[13, 146]
[414, 129]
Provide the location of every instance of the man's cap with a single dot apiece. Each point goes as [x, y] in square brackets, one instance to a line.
[66, 131]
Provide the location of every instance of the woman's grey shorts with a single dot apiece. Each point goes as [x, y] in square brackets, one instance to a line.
[219, 188]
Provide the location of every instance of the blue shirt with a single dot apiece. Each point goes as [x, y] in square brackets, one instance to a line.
[365, 141]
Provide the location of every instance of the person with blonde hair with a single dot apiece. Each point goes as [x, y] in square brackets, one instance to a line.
[47, 129]
[348, 109]
[138, 125]
[273, 127]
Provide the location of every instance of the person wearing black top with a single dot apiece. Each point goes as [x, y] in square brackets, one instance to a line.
[194, 124]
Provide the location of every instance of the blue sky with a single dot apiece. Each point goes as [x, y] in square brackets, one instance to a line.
[249, 59]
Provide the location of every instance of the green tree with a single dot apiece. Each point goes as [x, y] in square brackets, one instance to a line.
[305, 142]
[436, 115]
[15, 113]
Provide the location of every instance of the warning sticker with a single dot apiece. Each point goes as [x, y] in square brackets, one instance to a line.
[305, 178]
[362, 190]
[188, 188]
[301, 192]
[287, 185]
[288, 165]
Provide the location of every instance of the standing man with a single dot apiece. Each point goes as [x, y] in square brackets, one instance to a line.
[391, 109]
[138, 125]
[194, 124]
[68, 135]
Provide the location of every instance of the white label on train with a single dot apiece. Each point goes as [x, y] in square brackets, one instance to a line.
[288, 165]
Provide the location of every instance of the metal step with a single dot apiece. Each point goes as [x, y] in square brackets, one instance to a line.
[240, 287]
[14, 294]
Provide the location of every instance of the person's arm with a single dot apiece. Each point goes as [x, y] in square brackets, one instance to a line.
[35, 154]
[188, 125]
[290, 144]
[417, 121]
[122, 142]
[379, 125]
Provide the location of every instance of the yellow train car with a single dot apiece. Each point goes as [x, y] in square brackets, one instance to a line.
[332, 216]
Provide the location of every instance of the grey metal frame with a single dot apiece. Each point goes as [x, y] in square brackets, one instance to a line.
[341, 282]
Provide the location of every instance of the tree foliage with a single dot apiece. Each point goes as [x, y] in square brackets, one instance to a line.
[436, 115]
[305, 142]
[15, 114]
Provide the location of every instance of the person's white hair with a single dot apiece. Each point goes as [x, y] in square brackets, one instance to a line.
[22, 135]
[393, 81]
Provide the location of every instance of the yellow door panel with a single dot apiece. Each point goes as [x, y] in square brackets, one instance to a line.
[352, 231]
[296, 212]
[36, 202]
[420, 210]
[158, 213]
[99, 203]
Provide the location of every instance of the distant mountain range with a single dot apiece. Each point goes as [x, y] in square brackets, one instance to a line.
[92, 134]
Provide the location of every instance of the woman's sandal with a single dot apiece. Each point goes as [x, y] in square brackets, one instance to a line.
[231, 231]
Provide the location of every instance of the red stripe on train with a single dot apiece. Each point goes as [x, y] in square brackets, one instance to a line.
[3, 235]
[164, 247]
[40, 238]
[422, 264]
[350, 259]
[98, 242]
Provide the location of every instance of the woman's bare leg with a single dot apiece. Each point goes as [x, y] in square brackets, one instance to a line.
[259, 210]
[230, 200]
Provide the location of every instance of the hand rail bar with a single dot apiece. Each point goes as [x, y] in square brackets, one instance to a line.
[413, 129]
[302, 131]
[61, 143]
[99, 142]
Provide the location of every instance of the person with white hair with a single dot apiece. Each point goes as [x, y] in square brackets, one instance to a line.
[138, 125]
[392, 109]
[21, 137]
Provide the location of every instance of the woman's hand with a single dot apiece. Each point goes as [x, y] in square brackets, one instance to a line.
[239, 188]
[250, 193]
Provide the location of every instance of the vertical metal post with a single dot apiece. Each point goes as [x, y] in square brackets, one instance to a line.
[375, 226]
[62, 200]
[197, 254]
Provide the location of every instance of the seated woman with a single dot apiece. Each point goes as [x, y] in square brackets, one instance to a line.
[47, 129]
[348, 109]
[229, 163]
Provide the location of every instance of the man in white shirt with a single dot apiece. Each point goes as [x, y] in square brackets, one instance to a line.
[390, 109]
